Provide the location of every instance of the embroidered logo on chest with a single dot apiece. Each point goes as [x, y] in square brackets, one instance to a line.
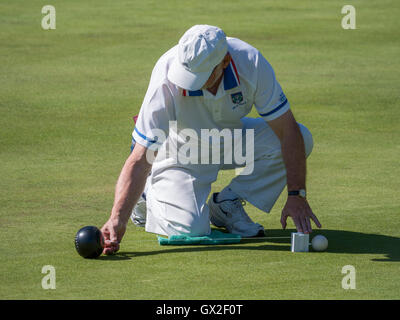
[238, 100]
[237, 97]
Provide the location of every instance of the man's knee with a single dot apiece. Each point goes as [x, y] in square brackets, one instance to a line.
[308, 139]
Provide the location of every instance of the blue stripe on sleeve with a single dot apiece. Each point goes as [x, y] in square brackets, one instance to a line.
[276, 109]
[144, 137]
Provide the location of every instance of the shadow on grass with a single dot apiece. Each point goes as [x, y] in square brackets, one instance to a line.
[345, 242]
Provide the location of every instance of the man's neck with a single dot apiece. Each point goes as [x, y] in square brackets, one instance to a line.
[213, 90]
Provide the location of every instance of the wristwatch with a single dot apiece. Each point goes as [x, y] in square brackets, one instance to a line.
[300, 193]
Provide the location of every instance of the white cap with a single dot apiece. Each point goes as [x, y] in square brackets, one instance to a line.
[200, 50]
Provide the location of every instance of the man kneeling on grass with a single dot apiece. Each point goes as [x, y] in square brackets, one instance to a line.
[210, 81]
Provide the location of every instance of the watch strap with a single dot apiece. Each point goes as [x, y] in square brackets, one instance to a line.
[300, 193]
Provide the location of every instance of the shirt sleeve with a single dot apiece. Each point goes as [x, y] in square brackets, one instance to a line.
[152, 124]
[270, 101]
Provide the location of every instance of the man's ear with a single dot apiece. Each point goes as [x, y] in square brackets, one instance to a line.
[227, 60]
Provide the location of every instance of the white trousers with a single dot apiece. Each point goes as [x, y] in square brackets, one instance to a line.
[176, 195]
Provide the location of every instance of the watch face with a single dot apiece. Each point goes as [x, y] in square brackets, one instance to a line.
[302, 193]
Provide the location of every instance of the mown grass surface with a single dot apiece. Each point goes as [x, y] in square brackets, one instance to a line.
[66, 101]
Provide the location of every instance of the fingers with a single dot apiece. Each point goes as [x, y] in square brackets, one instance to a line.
[297, 223]
[305, 221]
[111, 243]
[110, 246]
[111, 249]
[304, 226]
[106, 234]
[314, 218]
[283, 220]
[113, 235]
[309, 228]
[301, 218]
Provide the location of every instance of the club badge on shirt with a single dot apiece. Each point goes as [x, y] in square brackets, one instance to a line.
[237, 97]
[238, 100]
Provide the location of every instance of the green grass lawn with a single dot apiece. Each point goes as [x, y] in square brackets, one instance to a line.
[66, 101]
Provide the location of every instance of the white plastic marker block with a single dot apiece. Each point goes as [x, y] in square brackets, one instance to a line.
[300, 242]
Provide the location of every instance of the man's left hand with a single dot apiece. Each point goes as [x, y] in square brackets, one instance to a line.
[299, 210]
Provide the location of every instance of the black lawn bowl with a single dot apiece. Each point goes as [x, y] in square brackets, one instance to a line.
[89, 242]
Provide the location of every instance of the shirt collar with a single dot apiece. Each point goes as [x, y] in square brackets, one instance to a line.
[231, 80]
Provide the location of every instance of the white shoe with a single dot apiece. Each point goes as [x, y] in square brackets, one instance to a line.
[231, 215]
[138, 215]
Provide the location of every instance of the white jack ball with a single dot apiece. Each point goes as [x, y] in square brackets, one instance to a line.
[319, 243]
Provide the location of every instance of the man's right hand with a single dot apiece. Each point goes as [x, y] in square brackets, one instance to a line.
[113, 231]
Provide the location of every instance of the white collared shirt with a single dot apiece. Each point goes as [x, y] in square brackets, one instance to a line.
[248, 81]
